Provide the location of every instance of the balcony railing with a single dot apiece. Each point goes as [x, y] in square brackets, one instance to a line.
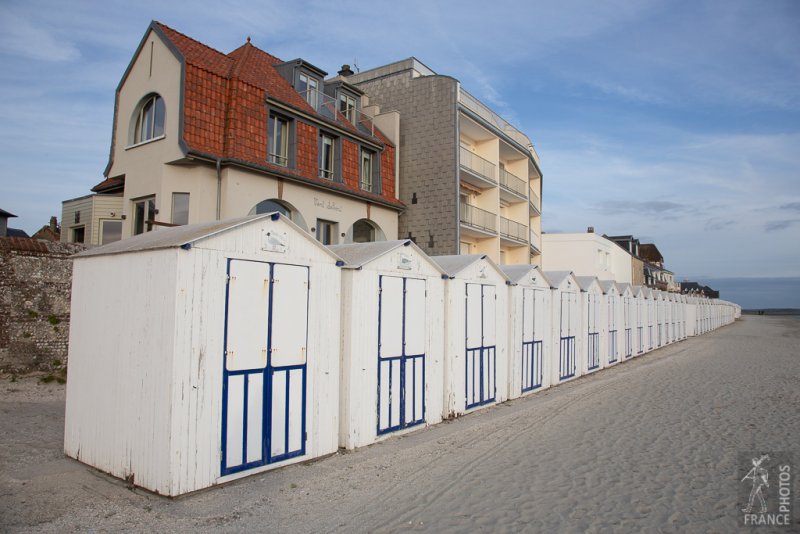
[482, 111]
[535, 241]
[512, 182]
[476, 164]
[534, 201]
[327, 107]
[478, 218]
[512, 229]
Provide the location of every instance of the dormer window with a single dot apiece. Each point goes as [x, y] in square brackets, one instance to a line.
[308, 88]
[149, 120]
[347, 107]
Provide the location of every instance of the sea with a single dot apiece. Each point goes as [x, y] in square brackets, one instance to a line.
[757, 293]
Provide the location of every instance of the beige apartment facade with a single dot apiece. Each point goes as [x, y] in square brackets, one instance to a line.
[587, 254]
[471, 181]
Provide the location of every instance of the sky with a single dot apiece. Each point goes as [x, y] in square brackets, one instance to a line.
[676, 121]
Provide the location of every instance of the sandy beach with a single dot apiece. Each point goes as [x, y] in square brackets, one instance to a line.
[648, 445]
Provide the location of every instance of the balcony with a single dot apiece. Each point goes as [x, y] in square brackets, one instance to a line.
[513, 231]
[535, 243]
[495, 120]
[534, 202]
[482, 223]
[476, 170]
[327, 107]
[512, 188]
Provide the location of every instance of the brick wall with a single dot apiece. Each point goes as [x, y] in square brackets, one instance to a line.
[35, 283]
[427, 107]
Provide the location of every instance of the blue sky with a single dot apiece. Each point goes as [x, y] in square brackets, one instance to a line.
[675, 121]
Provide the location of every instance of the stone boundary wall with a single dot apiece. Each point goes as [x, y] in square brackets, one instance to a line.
[35, 284]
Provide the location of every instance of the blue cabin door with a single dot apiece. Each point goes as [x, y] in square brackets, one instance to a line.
[264, 373]
[401, 353]
[481, 344]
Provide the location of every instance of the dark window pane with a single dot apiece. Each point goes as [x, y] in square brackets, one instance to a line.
[112, 231]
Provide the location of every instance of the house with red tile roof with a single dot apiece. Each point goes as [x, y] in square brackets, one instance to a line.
[202, 135]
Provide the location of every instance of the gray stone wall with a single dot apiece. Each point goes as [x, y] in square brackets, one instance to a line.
[35, 284]
[428, 151]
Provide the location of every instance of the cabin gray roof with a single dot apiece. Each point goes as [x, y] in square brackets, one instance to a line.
[356, 255]
[606, 285]
[181, 236]
[585, 281]
[452, 265]
[622, 286]
[557, 277]
[515, 273]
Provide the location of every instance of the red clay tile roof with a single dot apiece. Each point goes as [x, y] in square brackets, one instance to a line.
[109, 184]
[225, 113]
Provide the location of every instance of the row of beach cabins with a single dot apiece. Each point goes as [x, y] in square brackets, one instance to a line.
[204, 353]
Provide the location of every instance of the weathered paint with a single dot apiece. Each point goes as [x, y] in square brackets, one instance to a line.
[145, 388]
[374, 297]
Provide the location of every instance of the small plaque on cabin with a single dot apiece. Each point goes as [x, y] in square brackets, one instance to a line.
[274, 242]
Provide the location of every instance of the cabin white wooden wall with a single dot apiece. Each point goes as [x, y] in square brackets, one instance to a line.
[144, 395]
[592, 318]
[197, 397]
[539, 326]
[118, 416]
[455, 336]
[359, 341]
[565, 320]
[613, 304]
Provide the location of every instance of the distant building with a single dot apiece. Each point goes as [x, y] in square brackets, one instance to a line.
[648, 264]
[587, 254]
[5, 231]
[49, 232]
[95, 219]
[471, 181]
[693, 288]
[201, 135]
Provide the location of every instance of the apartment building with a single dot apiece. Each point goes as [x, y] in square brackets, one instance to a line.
[587, 254]
[471, 182]
[201, 135]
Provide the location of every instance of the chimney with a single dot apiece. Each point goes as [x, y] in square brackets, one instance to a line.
[346, 70]
[54, 224]
[590, 230]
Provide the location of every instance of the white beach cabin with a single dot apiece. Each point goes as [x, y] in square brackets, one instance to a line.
[690, 309]
[529, 329]
[392, 368]
[650, 319]
[203, 353]
[661, 317]
[592, 317]
[476, 333]
[613, 308]
[565, 328]
[628, 310]
[640, 303]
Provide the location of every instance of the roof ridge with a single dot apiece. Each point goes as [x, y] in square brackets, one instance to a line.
[162, 25]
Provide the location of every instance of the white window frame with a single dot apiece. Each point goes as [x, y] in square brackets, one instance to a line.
[332, 227]
[173, 210]
[311, 89]
[347, 107]
[103, 230]
[147, 110]
[327, 169]
[367, 170]
[148, 208]
[278, 155]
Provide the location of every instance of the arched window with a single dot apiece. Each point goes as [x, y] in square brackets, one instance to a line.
[272, 205]
[148, 120]
[365, 231]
